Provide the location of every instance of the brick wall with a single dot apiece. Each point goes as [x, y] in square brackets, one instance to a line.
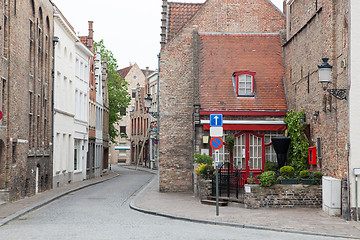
[177, 80]
[323, 32]
[26, 70]
[283, 196]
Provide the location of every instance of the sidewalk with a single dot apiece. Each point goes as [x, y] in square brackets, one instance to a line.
[185, 206]
[13, 210]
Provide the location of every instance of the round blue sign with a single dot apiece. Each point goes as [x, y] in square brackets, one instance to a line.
[216, 143]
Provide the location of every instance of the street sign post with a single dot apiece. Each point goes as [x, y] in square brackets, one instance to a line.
[216, 120]
[216, 143]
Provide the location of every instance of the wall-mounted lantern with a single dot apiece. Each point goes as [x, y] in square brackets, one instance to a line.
[325, 71]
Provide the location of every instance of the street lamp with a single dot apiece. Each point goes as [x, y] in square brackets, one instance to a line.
[325, 71]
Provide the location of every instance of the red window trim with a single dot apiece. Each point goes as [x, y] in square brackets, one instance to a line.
[244, 72]
[250, 127]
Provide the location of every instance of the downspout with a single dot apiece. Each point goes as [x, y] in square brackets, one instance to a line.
[55, 41]
[158, 116]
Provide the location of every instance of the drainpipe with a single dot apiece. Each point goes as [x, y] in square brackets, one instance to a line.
[55, 41]
[158, 116]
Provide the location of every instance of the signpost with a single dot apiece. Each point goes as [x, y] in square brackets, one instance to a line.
[216, 132]
[216, 143]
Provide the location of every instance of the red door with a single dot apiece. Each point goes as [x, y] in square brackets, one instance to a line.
[249, 154]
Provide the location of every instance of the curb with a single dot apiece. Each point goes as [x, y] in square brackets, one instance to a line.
[47, 201]
[226, 224]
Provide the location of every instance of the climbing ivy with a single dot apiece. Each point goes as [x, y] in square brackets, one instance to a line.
[298, 150]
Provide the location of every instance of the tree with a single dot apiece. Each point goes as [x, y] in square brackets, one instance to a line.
[119, 98]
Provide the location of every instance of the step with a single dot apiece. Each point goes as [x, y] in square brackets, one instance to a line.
[226, 199]
[213, 203]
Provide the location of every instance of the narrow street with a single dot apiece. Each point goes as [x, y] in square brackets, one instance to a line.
[102, 212]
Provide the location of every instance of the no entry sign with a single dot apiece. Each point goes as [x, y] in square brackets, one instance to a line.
[216, 143]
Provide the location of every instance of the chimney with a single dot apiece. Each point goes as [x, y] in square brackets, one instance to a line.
[163, 22]
[284, 7]
[91, 36]
[147, 72]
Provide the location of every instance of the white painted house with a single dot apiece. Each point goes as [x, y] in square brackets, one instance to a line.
[99, 117]
[81, 120]
[71, 103]
[64, 99]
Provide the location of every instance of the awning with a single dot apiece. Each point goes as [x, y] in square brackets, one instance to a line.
[122, 148]
[246, 125]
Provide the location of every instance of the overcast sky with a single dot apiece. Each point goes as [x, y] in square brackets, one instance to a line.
[130, 29]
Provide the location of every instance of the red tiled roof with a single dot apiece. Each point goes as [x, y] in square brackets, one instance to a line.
[178, 15]
[83, 39]
[221, 55]
[123, 72]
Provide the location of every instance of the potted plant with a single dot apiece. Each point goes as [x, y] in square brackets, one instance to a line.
[316, 177]
[305, 177]
[287, 172]
[267, 179]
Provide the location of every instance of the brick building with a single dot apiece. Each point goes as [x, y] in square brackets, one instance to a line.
[89, 42]
[316, 30]
[120, 152]
[26, 98]
[179, 105]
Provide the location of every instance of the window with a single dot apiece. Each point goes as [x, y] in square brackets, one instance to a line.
[77, 155]
[133, 93]
[123, 130]
[243, 82]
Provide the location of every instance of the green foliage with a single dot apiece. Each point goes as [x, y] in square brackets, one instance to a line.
[298, 150]
[229, 140]
[270, 166]
[119, 98]
[316, 177]
[287, 172]
[202, 158]
[304, 174]
[205, 170]
[267, 179]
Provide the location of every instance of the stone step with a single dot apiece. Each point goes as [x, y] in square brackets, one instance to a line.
[213, 203]
[226, 199]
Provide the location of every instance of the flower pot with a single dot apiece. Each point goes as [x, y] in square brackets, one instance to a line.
[307, 181]
[289, 181]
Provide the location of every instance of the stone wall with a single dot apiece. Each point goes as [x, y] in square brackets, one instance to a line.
[283, 196]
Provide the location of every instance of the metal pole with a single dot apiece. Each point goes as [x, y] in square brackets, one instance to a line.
[356, 200]
[158, 116]
[217, 182]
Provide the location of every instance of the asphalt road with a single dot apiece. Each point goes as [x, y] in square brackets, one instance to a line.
[102, 212]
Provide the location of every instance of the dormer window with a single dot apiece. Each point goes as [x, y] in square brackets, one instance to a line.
[244, 83]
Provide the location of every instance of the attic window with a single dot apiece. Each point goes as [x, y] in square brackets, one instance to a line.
[244, 83]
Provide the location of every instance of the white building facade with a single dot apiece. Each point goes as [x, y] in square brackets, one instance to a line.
[64, 107]
[81, 119]
[99, 117]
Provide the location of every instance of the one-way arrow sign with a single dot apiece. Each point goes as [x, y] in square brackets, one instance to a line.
[216, 120]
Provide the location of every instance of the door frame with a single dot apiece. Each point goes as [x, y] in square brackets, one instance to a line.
[246, 172]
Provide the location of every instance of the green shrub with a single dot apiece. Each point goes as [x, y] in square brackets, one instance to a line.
[287, 171]
[304, 174]
[202, 158]
[316, 176]
[270, 166]
[267, 179]
[279, 179]
[204, 169]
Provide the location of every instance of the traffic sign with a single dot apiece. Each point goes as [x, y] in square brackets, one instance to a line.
[216, 143]
[1, 115]
[216, 120]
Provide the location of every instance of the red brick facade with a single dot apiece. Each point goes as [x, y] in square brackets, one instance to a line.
[318, 29]
[26, 97]
[177, 101]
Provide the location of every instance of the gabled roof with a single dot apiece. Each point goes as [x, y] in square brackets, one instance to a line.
[221, 55]
[178, 15]
[123, 72]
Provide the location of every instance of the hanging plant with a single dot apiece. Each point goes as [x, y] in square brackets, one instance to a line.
[298, 150]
